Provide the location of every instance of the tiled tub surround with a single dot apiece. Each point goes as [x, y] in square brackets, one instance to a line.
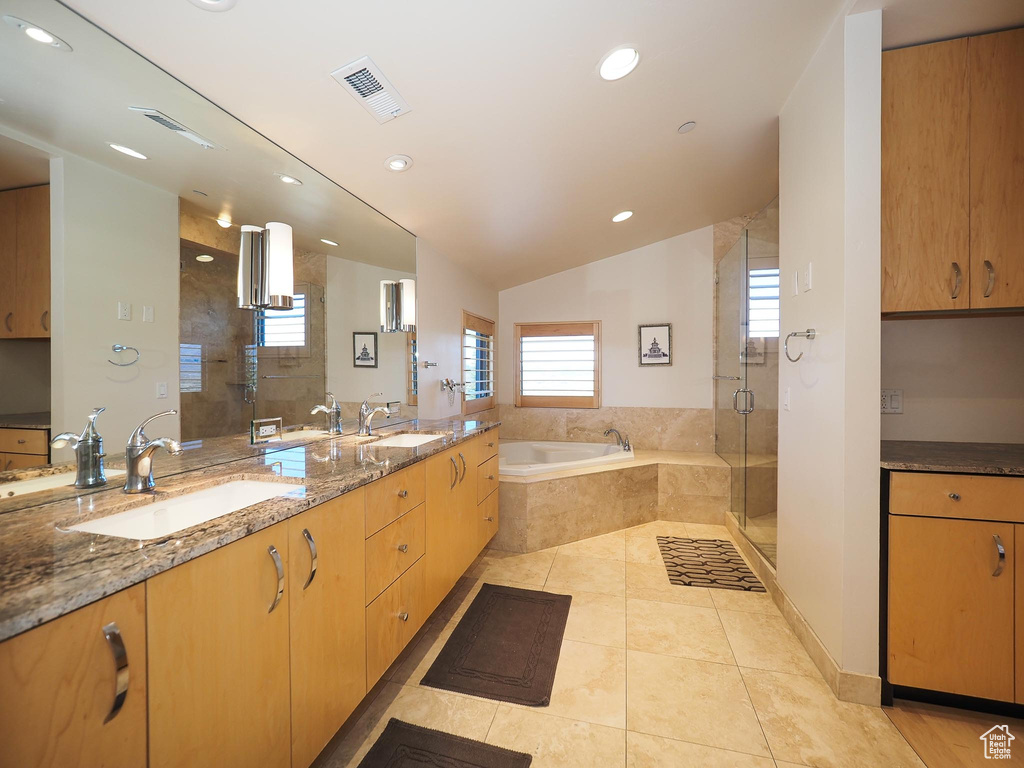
[49, 571]
[546, 510]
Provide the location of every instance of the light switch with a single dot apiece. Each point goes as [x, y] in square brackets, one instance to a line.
[785, 400]
[161, 390]
[807, 277]
[892, 401]
[796, 282]
[147, 314]
[124, 310]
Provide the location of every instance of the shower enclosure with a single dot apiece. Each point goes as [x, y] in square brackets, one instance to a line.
[747, 375]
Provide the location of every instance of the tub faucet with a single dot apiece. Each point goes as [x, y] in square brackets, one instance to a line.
[618, 439]
[333, 415]
[366, 414]
[88, 448]
[138, 456]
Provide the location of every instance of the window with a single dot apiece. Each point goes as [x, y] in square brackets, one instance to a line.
[558, 365]
[282, 327]
[190, 367]
[763, 308]
[413, 368]
[477, 363]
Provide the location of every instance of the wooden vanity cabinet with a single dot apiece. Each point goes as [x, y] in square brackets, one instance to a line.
[60, 682]
[442, 496]
[25, 263]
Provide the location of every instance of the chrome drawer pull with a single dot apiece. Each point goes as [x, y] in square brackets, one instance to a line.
[113, 635]
[490, 445]
[456, 466]
[280, 577]
[955, 496]
[21, 442]
[42, 320]
[1002, 554]
[404, 616]
[404, 494]
[463, 459]
[7, 322]
[489, 519]
[991, 278]
[312, 557]
[490, 477]
[403, 547]
[958, 281]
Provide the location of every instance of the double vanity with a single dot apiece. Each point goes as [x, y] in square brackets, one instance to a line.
[239, 614]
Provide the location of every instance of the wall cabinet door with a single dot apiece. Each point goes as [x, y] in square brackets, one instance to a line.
[951, 606]
[8, 262]
[997, 179]
[60, 685]
[218, 658]
[328, 615]
[926, 262]
[442, 480]
[32, 319]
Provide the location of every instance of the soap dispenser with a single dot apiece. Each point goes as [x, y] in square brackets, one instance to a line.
[88, 448]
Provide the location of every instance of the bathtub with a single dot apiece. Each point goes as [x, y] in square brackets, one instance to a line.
[537, 458]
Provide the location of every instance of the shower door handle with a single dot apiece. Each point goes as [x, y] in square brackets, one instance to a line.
[749, 400]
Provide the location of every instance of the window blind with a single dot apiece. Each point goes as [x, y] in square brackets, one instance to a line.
[558, 365]
[283, 327]
[190, 367]
[763, 304]
[477, 363]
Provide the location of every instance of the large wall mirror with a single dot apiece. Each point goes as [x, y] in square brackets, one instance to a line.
[122, 196]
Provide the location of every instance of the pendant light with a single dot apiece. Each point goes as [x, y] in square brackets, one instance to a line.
[265, 275]
[397, 306]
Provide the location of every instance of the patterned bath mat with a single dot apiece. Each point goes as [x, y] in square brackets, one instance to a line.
[706, 563]
[403, 745]
[506, 647]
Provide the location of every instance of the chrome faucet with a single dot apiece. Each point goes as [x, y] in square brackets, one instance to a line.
[366, 415]
[618, 439]
[88, 448]
[333, 415]
[138, 456]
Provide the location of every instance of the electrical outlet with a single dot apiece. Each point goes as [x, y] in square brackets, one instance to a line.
[268, 430]
[394, 409]
[161, 390]
[147, 314]
[892, 401]
[124, 310]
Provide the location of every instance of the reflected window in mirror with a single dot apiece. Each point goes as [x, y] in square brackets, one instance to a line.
[413, 368]
[190, 367]
[477, 363]
[282, 327]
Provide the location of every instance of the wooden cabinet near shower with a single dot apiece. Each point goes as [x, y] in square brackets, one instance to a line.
[25, 263]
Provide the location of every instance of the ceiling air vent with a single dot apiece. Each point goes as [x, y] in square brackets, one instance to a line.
[367, 84]
[161, 119]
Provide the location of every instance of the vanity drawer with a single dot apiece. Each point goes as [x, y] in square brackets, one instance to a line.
[393, 619]
[391, 551]
[391, 497]
[973, 497]
[488, 446]
[24, 441]
[486, 479]
[487, 523]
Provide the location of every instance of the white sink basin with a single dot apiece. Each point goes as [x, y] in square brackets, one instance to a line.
[406, 441]
[164, 518]
[47, 482]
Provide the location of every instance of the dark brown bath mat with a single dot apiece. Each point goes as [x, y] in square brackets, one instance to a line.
[403, 745]
[706, 563]
[506, 647]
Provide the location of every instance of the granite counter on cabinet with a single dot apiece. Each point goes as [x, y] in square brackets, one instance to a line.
[38, 420]
[964, 458]
[49, 570]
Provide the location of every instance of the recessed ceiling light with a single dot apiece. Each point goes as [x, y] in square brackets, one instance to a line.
[327, 242]
[687, 127]
[224, 222]
[288, 179]
[127, 151]
[621, 216]
[204, 257]
[398, 163]
[214, 5]
[618, 63]
[38, 34]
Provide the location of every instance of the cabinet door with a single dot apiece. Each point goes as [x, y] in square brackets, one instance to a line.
[442, 479]
[466, 535]
[925, 185]
[997, 179]
[60, 683]
[218, 659]
[488, 520]
[328, 614]
[1018, 614]
[32, 319]
[951, 606]
[8, 262]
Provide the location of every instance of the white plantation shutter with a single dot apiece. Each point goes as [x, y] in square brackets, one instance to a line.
[558, 365]
[763, 305]
[478, 353]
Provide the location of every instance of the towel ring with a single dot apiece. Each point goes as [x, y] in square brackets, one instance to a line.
[808, 334]
[123, 348]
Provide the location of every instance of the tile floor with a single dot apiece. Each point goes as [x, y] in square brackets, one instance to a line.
[651, 675]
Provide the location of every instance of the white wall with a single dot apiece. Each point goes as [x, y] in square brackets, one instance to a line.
[961, 379]
[352, 299]
[668, 281]
[829, 185]
[443, 290]
[112, 239]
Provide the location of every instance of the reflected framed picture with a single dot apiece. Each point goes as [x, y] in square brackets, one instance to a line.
[364, 349]
[655, 344]
[753, 353]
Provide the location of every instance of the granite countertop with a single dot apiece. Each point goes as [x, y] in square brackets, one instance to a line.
[49, 571]
[37, 420]
[967, 458]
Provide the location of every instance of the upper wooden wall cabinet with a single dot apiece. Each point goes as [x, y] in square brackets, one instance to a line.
[952, 184]
[25, 263]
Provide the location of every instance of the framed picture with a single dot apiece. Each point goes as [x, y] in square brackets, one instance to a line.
[655, 345]
[364, 349]
[753, 354]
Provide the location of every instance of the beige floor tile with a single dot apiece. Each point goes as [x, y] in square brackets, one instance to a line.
[528, 568]
[642, 547]
[588, 574]
[676, 630]
[661, 528]
[460, 715]
[752, 602]
[597, 618]
[650, 582]
[694, 701]
[422, 653]
[702, 531]
[610, 546]
[806, 724]
[763, 641]
[645, 751]
[557, 742]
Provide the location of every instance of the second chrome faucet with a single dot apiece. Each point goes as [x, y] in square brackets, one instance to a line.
[138, 456]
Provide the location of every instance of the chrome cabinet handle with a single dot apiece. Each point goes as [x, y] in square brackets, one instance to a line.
[490, 477]
[312, 557]
[955, 496]
[21, 442]
[7, 322]
[456, 466]
[1001, 550]
[958, 281]
[489, 519]
[42, 320]
[490, 445]
[404, 494]
[403, 547]
[463, 459]
[991, 278]
[404, 615]
[280, 577]
[121, 675]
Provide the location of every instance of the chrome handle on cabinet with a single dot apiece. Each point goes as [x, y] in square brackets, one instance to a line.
[8, 464]
[404, 494]
[489, 519]
[490, 445]
[490, 477]
[404, 615]
[456, 467]
[1001, 551]
[22, 442]
[7, 322]
[312, 557]
[42, 320]
[958, 281]
[280, 577]
[463, 459]
[991, 278]
[955, 496]
[403, 547]
[121, 676]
